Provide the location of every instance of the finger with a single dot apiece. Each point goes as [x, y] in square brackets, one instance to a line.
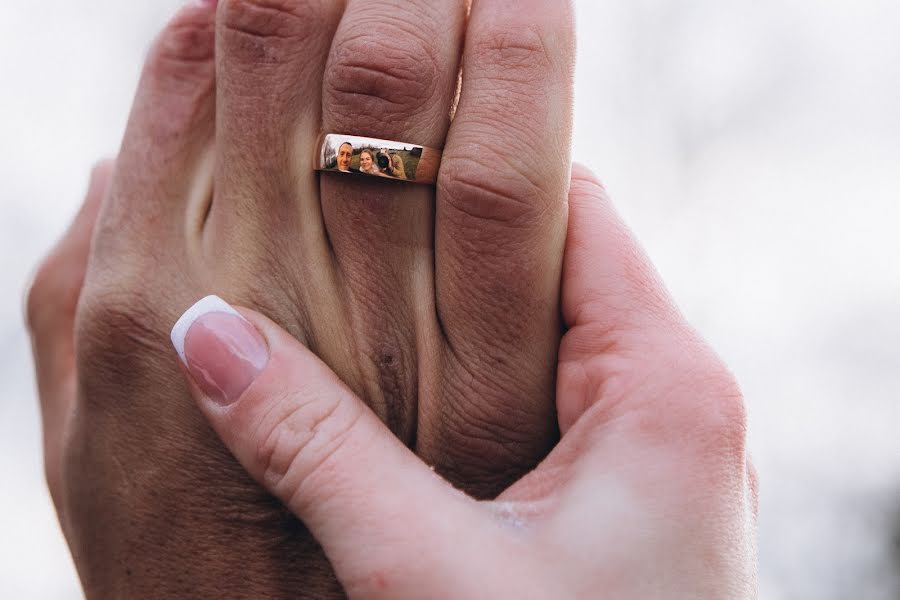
[610, 295]
[299, 432]
[270, 60]
[393, 69]
[501, 209]
[164, 163]
[622, 322]
[392, 74]
[643, 403]
[53, 298]
[51, 304]
[500, 228]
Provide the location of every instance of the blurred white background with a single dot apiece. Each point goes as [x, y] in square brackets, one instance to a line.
[753, 146]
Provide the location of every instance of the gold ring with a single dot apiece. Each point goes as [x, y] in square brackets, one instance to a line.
[359, 155]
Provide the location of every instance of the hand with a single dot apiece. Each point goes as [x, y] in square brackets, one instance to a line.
[648, 495]
[438, 308]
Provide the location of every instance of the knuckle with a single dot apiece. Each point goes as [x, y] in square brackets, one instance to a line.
[724, 419]
[292, 447]
[121, 330]
[473, 192]
[710, 412]
[585, 182]
[184, 51]
[374, 76]
[266, 31]
[685, 400]
[517, 54]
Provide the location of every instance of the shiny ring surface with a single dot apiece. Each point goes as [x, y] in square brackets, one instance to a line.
[357, 155]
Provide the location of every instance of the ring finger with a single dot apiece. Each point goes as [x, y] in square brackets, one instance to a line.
[392, 74]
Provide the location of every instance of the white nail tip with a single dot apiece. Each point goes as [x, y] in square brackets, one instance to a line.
[207, 305]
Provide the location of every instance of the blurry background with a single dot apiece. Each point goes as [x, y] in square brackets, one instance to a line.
[753, 146]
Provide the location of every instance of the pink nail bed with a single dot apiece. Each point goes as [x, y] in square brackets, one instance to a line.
[222, 351]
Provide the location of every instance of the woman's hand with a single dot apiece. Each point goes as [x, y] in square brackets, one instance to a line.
[648, 495]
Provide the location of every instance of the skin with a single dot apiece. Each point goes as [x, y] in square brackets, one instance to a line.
[366, 161]
[432, 351]
[649, 494]
[345, 154]
[437, 306]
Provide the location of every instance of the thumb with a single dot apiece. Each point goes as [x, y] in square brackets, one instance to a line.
[314, 445]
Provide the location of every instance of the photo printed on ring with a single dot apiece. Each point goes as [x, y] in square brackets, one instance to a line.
[370, 156]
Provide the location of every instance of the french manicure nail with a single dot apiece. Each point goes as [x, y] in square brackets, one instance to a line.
[222, 351]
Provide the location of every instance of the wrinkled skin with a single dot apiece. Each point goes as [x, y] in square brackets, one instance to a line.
[439, 307]
[649, 493]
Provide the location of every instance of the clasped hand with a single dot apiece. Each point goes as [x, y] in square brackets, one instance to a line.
[480, 389]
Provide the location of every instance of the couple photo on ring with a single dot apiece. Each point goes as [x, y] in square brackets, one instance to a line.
[379, 162]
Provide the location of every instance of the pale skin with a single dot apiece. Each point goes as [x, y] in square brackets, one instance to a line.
[437, 311]
[367, 163]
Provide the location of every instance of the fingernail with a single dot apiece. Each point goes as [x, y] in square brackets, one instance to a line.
[222, 351]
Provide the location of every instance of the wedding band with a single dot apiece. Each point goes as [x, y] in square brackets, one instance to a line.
[358, 155]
